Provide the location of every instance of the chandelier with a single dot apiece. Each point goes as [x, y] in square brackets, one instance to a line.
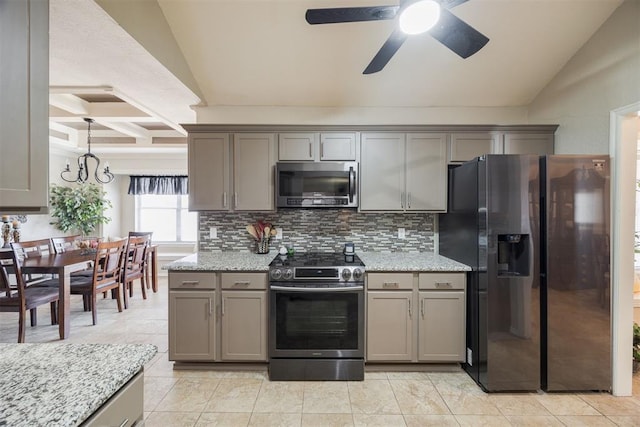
[83, 165]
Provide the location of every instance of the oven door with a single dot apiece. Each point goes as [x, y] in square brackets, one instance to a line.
[315, 322]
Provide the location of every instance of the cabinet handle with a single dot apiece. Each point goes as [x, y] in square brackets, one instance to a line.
[311, 150]
[409, 199]
[210, 307]
[245, 283]
[321, 150]
[189, 283]
[443, 284]
[224, 199]
[402, 200]
[124, 423]
[235, 196]
[410, 316]
[223, 306]
[422, 307]
[390, 285]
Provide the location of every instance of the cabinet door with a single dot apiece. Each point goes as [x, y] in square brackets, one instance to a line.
[441, 326]
[390, 326]
[24, 106]
[465, 146]
[253, 176]
[382, 171]
[338, 146]
[519, 143]
[244, 325]
[209, 172]
[297, 146]
[192, 325]
[426, 169]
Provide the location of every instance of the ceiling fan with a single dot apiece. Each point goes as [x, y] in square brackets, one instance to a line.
[429, 15]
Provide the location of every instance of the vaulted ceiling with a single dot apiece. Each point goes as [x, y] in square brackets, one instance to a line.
[139, 87]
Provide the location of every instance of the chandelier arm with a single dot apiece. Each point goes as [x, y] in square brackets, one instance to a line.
[83, 164]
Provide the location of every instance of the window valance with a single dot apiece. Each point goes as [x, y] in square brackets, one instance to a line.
[148, 184]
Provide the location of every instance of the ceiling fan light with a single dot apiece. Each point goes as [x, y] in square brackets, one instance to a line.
[419, 17]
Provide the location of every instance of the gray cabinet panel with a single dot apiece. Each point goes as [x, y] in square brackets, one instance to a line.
[253, 176]
[426, 169]
[192, 325]
[441, 328]
[390, 326]
[209, 172]
[382, 173]
[244, 326]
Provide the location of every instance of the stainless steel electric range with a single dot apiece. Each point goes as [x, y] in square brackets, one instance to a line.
[316, 317]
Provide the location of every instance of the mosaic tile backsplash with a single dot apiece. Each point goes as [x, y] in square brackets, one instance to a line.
[321, 230]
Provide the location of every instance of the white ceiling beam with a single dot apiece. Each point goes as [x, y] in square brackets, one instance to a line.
[70, 103]
[128, 129]
[81, 89]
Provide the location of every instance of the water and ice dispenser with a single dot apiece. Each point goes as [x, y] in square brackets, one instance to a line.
[514, 258]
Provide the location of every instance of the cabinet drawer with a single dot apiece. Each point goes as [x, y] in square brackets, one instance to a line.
[192, 280]
[124, 408]
[389, 281]
[441, 280]
[244, 280]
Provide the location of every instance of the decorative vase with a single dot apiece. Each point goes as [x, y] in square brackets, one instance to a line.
[6, 234]
[262, 246]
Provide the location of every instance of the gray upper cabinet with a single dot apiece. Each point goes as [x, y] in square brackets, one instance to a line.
[312, 146]
[464, 146]
[403, 172]
[528, 143]
[24, 106]
[218, 183]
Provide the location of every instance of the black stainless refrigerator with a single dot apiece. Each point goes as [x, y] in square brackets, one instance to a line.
[535, 231]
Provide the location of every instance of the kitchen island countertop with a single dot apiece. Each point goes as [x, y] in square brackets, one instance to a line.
[59, 384]
[374, 261]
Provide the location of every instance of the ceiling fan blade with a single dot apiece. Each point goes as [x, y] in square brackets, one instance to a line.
[457, 35]
[448, 4]
[388, 49]
[350, 14]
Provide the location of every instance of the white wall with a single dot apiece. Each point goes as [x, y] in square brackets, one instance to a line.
[602, 76]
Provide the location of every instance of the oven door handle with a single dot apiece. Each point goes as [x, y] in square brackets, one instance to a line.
[294, 289]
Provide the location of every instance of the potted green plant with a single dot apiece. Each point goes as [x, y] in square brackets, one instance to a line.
[79, 208]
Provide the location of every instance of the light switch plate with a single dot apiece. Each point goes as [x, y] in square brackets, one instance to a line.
[213, 232]
[278, 233]
[401, 233]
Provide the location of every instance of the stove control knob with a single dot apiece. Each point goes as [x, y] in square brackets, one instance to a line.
[288, 274]
[276, 274]
[357, 274]
[346, 274]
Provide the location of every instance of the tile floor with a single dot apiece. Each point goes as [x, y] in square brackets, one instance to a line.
[228, 398]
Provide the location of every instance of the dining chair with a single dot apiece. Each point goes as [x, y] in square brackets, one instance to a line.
[107, 275]
[31, 249]
[16, 296]
[147, 263]
[135, 264]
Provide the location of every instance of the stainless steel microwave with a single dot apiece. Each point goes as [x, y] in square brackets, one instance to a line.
[317, 184]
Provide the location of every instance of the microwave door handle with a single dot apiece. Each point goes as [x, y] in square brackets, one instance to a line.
[352, 184]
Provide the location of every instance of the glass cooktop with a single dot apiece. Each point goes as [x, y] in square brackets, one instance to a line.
[317, 259]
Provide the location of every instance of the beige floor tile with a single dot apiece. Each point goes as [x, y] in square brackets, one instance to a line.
[424, 376]
[418, 397]
[326, 398]
[518, 404]
[483, 420]
[161, 367]
[372, 397]
[155, 389]
[455, 383]
[188, 395]
[607, 404]
[171, 419]
[362, 420]
[534, 421]
[375, 376]
[327, 420]
[224, 419]
[280, 397]
[585, 420]
[234, 395]
[565, 404]
[430, 421]
[466, 404]
[625, 420]
[275, 420]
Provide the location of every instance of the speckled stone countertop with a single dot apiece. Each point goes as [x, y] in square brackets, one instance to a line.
[374, 261]
[57, 384]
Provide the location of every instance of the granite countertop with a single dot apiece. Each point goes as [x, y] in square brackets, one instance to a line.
[374, 261]
[57, 384]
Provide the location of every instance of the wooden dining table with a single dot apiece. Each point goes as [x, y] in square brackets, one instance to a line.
[63, 265]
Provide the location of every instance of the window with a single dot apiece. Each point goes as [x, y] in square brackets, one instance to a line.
[167, 216]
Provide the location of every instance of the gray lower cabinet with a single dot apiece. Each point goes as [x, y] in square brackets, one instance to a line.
[244, 326]
[192, 320]
[415, 317]
[124, 408]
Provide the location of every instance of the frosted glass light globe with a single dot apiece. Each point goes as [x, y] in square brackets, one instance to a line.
[419, 17]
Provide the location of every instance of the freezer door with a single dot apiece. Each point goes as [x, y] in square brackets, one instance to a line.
[509, 285]
[578, 330]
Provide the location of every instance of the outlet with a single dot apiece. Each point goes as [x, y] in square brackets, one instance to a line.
[401, 233]
[278, 233]
[213, 233]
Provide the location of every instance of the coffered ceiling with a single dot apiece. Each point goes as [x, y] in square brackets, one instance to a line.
[139, 77]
